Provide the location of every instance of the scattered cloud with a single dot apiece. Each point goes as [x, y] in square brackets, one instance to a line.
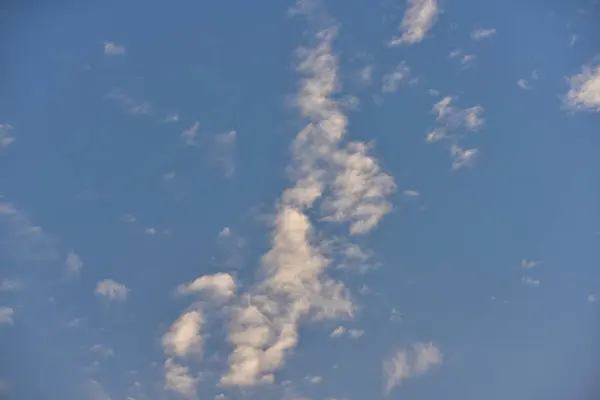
[184, 337]
[528, 264]
[8, 285]
[170, 118]
[150, 231]
[355, 333]
[465, 59]
[408, 364]
[190, 135]
[73, 263]
[128, 104]
[6, 315]
[6, 137]
[223, 152]
[313, 380]
[220, 286]
[391, 82]
[462, 157]
[584, 92]
[418, 19]
[573, 40]
[113, 49]
[337, 332]
[112, 290]
[102, 350]
[411, 193]
[529, 281]
[480, 34]
[522, 83]
[365, 75]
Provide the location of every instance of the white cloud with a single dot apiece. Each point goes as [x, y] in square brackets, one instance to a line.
[473, 118]
[8, 285]
[528, 264]
[190, 135]
[355, 333]
[221, 286]
[418, 20]
[113, 49]
[408, 364]
[529, 281]
[150, 231]
[337, 332]
[584, 92]
[184, 338]
[480, 34]
[73, 263]
[223, 152]
[6, 315]
[522, 83]
[365, 75]
[313, 380]
[179, 380]
[112, 290]
[128, 104]
[225, 232]
[391, 82]
[411, 193]
[592, 298]
[170, 118]
[6, 137]
[462, 157]
[102, 350]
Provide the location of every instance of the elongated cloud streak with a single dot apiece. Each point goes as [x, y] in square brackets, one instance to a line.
[418, 20]
[264, 325]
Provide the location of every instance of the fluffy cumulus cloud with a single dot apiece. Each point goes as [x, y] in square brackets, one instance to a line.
[418, 19]
[6, 137]
[584, 92]
[352, 188]
[411, 363]
[178, 379]
[184, 337]
[221, 286]
[112, 290]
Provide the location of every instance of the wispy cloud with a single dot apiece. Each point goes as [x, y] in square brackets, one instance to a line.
[462, 157]
[223, 152]
[113, 49]
[480, 34]
[584, 92]
[6, 137]
[112, 290]
[6, 315]
[522, 83]
[365, 75]
[128, 104]
[102, 350]
[391, 82]
[529, 281]
[418, 19]
[170, 118]
[592, 298]
[8, 285]
[190, 135]
[408, 364]
[528, 264]
[179, 380]
[73, 263]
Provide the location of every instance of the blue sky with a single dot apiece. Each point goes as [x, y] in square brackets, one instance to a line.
[311, 200]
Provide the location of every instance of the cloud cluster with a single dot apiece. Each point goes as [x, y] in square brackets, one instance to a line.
[408, 364]
[418, 19]
[449, 120]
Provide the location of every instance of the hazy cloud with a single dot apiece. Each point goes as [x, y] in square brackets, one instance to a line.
[113, 49]
[6, 137]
